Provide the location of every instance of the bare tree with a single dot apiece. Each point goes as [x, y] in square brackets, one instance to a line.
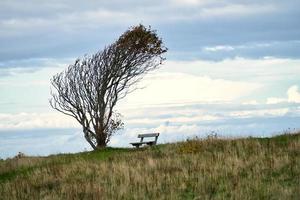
[89, 89]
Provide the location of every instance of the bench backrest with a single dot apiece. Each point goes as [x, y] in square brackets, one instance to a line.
[148, 135]
[142, 136]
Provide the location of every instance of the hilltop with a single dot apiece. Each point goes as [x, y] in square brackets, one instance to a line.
[211, 168]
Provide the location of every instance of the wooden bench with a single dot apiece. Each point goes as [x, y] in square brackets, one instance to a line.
[142, 136]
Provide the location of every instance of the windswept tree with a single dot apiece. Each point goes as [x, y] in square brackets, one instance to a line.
[89, 89]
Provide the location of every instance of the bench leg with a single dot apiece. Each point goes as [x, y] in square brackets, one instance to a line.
[151, 143]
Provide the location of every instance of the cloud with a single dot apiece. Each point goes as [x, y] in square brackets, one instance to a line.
[237, 121]
[234, 10]
[189, 2]
[155, 115]
[110, 13]
[258, 113]
[253, 49]
[238, 79]
[181, 88]
[14, 71]
[274, 100]
[263, 70]
[240, 47]
[23, 121]
[16, 67]
[219, 48]
[58, 29]
[176, 82]
[69, 21]
[53, 132]
[251, 102]
[293, 94]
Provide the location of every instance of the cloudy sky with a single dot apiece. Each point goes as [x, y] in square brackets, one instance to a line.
[233, 67]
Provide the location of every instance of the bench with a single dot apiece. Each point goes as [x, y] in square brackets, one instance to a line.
[142, 136]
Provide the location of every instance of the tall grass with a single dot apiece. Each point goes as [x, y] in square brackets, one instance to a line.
[196, 169]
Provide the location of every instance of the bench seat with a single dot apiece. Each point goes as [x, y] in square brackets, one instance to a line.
[141, 143]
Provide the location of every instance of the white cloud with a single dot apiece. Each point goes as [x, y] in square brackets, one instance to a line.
[257, 70]
[233, 10]
[179, 130]
[176, 82]
[153, 116]
[91, 17]
[274, 100]
[35, 121]
[293, 94]
[239, 47]
[219, 48]
[260, 113]
[191, 2]
[251, 102]
[179, 118]
[182, 88]
[203, 9]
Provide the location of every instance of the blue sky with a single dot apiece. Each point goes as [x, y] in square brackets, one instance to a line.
[232, 67]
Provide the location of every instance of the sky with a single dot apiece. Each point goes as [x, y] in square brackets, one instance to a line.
[233, 68]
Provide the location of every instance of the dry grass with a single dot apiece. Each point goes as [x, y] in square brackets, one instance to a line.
[196, 169]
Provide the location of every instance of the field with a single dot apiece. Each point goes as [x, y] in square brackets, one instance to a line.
[211, 168]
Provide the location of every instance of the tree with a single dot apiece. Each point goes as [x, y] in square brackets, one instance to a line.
[89, 89]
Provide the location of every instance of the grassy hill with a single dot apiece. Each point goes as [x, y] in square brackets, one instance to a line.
[252, 168]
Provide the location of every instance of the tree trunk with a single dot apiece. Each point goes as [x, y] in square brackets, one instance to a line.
[101, 139]
[101, 145]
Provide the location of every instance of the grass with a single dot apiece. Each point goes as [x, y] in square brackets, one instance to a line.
[252, 168]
